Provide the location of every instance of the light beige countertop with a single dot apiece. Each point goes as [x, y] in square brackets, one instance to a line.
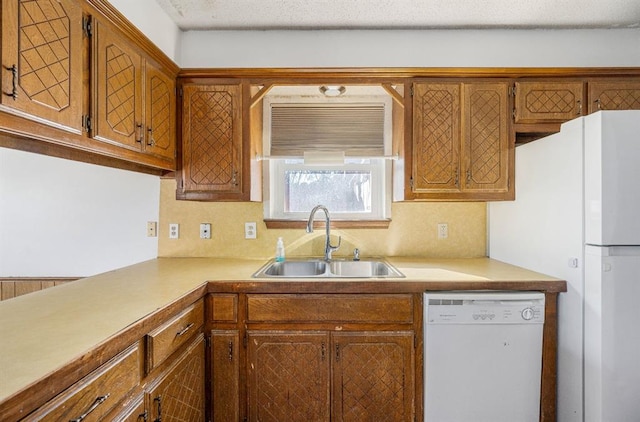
[43, 331]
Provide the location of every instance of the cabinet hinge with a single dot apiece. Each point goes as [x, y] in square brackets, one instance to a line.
[411, 90]
[512, 90]
[86, 122]
[411, 182]
[87, 28]
[245, 340]
[180, 92]
[415, 341]
[207, 341]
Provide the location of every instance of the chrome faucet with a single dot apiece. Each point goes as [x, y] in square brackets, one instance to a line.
[328, 248]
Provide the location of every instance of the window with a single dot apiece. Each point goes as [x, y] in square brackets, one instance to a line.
[333, 153]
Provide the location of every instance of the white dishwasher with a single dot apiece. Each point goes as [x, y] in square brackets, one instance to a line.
[482, 356]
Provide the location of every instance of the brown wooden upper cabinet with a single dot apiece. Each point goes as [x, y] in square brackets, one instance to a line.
[548, 101]
[212, 142]
[614, 94]
[133, 99]
[462, 148]
[42, 61]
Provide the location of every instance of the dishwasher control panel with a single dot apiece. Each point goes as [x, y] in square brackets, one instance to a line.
[487, 308]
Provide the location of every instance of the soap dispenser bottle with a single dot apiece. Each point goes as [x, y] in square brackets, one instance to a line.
[280, 250]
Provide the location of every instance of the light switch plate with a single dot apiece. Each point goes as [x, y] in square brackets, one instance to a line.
[152, 229]
[205, 231]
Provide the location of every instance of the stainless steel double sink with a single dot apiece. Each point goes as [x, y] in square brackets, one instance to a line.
[318, 268]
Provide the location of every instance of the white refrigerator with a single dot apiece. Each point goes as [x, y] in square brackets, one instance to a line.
[576, 216]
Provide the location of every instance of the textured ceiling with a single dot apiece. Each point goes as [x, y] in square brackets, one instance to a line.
[402, 14]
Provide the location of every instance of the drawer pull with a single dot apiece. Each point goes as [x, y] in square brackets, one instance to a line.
[184, 330]
[98, 401]
[159, 401]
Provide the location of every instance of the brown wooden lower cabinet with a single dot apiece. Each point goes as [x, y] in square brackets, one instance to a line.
[225, 379]
[179, 394]
[330, 376]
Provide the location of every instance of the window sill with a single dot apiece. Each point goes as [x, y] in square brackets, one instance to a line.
[335, 224]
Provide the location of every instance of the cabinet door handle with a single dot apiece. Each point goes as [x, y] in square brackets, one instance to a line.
[234, 178]
[97, 402]
[337, 352]
[598, 104]
[579, 108]
[14, 83]
[184, 330]
[143, 415]
[139, 137]
[150, 140]
[323, 350]
[230, 351]
[159, 401]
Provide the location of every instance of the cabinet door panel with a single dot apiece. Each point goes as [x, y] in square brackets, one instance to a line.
[288, 376]
[212, 138]
[614, 95]
[547, 101]
[160, 131]
[179, 395]
[487, 147]
[373, 376]
[436, 137]
[42, 61]
[117, 90]
[225, 376]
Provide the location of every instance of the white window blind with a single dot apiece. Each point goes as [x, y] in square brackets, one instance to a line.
[355, 129]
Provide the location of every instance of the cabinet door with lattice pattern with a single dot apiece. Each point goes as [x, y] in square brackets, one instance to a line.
[42, 61]
[373, 378]
[179, 395]
[487, 148]
[117, 93]
[614, 94]
[160, 110]
[288, 376]
[548, 101]
[436, 137]
[211, 141]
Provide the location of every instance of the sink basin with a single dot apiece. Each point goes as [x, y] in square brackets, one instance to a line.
[363, 269]
[312, 268]
[316, 268]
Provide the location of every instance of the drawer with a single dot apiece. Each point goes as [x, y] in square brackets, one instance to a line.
[383, 308]
[167, 338]
[223, 307]
[91, 398]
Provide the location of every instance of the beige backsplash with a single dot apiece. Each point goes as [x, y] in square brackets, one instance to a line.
[412, 231]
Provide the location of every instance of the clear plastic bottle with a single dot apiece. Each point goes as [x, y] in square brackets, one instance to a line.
[280, 250]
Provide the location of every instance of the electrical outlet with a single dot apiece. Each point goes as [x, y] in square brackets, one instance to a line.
[443, 230]
[205, 231]
[250, 230]
[152, 229]
[174, 231]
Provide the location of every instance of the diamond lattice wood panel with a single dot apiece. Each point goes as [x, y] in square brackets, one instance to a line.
[120, 90]
[160, 122]
[437, 136]
[550, 101]
[372, 382]
[485, 130]
[619, 99]
[182, 391]
[212, 154]
[44, 52]
[289, 378]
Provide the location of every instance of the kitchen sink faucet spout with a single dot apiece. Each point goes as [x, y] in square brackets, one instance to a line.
[328, 248]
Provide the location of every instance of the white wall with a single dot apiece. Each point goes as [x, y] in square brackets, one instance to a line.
[412, 48]
[149, 18]
[65, 218]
